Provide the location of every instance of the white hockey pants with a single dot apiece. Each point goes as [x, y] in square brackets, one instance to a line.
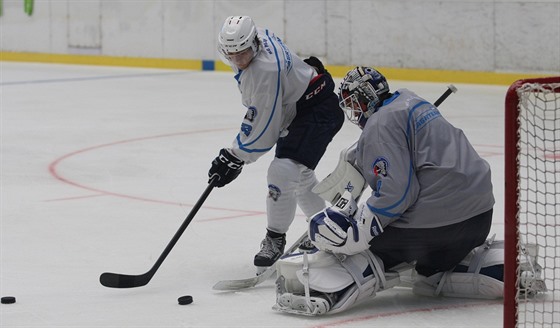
[289, 185]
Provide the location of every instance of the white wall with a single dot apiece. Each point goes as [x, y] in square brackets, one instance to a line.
[495, 36]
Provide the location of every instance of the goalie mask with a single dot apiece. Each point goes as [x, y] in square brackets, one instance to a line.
[237, 41]
[361, 93]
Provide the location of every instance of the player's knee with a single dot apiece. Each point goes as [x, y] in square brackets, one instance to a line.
[283, 170]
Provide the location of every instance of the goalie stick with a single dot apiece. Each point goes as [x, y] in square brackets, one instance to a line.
[450, 89]
[117, 280]
[234, 284]
[252, 282]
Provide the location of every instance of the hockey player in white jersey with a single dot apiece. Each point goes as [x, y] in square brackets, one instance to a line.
[430, 209]
[291, 104]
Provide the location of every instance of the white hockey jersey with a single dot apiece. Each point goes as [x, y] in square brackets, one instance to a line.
[270, 88]
[423, 171]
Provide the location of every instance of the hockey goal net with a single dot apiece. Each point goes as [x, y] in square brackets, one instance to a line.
[532, 203]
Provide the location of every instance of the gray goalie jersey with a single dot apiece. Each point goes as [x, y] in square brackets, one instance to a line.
[270, 88]
[423, 171]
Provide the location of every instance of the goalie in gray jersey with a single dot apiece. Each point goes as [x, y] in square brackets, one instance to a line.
[291, 104]
[430, 209]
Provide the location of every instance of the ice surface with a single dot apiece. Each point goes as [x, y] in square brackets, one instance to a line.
[101, 165]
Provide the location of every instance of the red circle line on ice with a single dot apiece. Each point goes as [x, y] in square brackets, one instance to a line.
[53, 169]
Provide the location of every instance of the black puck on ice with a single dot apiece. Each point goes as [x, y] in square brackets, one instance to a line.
[184, 300]
[10, 300]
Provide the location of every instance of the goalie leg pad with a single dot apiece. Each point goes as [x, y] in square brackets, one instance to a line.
[472, 283]
[335, 284]
[311, 305]
[324, 270]
[455, 284]
[369, 278]
[294, 291]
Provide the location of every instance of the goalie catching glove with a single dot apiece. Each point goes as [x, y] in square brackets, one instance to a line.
[344, 228]
[225, 168]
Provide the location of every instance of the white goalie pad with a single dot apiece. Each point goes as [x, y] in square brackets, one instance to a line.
[456, 284]
[470, 284]
[325, 273]
[324, 283]
[345, 177]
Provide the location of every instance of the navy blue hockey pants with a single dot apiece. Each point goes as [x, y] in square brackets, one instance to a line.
[317, 121]
[434, 249]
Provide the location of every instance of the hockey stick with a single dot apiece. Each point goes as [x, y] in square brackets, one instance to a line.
[117, 280]
[450, 89]
[252, 282]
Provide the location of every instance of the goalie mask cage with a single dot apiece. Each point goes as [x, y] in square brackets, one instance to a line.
[532, 200]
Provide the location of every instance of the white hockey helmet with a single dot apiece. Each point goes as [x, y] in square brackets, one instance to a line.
[237, 40]
[361, 92]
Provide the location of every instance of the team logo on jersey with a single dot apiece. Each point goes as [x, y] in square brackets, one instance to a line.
[246, 129]
[380, 167]
[251, 114]
[274, 192]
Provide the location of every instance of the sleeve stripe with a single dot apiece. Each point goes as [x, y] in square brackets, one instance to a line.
[244, 146]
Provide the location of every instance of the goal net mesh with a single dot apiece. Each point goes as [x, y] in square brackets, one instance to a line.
[538, 202]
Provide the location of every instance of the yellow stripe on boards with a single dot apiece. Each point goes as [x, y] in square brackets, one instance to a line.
[404, 74]
[102, 60]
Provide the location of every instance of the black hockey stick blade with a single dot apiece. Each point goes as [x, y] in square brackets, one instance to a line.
[117, 280]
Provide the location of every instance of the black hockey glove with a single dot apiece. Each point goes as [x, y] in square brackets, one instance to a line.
[315, 62]
[225, 168]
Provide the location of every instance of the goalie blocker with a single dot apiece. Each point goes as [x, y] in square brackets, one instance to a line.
[321, 282]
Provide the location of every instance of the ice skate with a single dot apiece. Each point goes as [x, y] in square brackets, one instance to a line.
[271, 250]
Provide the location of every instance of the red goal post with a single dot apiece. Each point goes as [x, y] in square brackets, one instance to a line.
[532, 199]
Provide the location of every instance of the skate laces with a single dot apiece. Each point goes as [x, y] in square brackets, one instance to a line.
[271, 247]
